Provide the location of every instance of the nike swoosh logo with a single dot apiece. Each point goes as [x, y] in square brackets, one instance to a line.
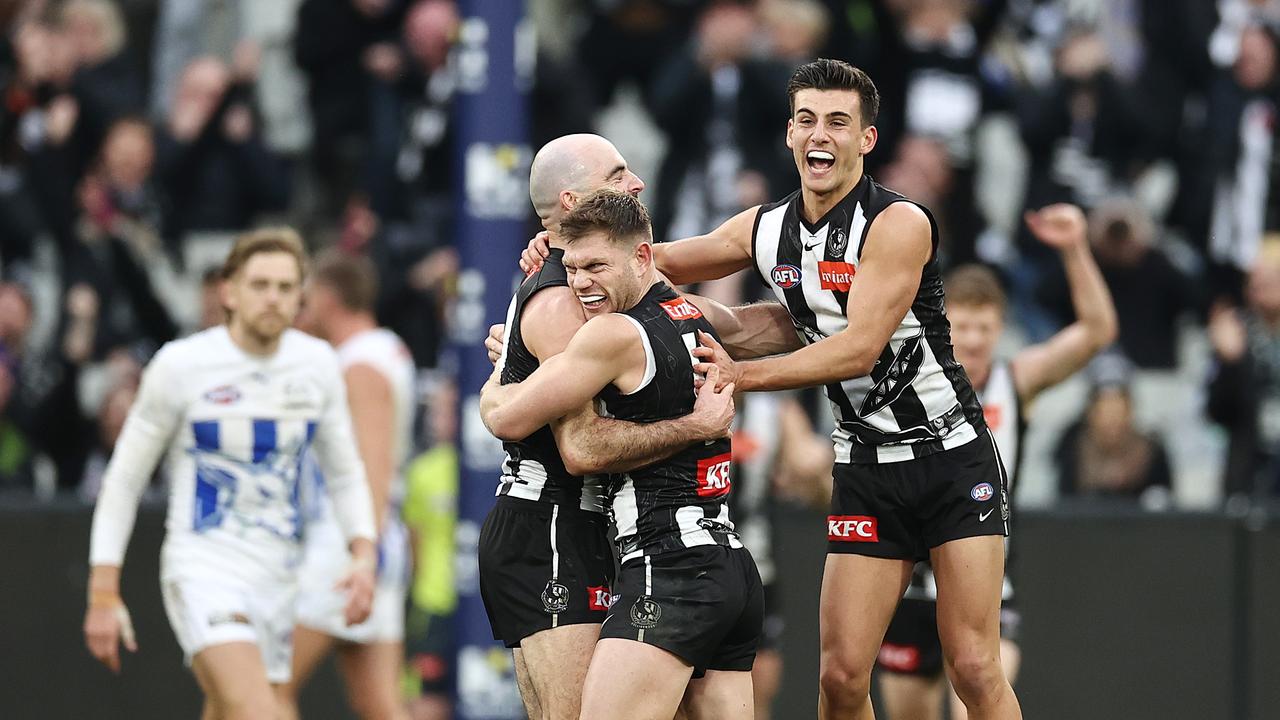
[810, 247]
[985, 515]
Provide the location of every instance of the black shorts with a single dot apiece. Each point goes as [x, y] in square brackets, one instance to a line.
[911, 645]
[703, 604]
[543, 566]
[902, 509]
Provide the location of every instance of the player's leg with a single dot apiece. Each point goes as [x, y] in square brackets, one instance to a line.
[234, 681]
[859, 594]
[629, 680]
[528, 695]
[970, 574]
[556, 662]
[1010, 660]
[766, 677]
[721, 695]
[371, 672]
[912, 697]
[310, 647]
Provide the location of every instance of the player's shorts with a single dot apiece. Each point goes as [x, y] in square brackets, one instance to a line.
[220, 608]
[902, 509]
[912, 646]
[325, 563]
[703, 604]
[543, 566]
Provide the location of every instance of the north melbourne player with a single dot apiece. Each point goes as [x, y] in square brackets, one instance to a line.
[379, 374]
[911, 656]
[687, 607]
[234, 409]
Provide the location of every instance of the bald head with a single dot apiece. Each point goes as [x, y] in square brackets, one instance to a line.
[570, 167]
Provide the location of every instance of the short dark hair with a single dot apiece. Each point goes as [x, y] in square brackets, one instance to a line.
[619, 215]
[265, 240]
[974, 286]
[351, 277]
[828, 74]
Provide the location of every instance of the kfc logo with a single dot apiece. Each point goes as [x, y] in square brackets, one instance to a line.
[713, 475]
[599, 598]
[681, 309]
[899, 658]
[852, 528]
[836, 275]
[785, 276]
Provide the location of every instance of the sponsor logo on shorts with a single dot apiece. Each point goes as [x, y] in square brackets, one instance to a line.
[852, 528]
[645, 613]
[681, 309]
[836, 275]
[982, 492]
[785, 276]
[713, 475]
[599, 598]
[223, 395]
[226, 618]
[555, 597]
[899, 658]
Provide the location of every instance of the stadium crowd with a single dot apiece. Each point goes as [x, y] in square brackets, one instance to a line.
[138, 137]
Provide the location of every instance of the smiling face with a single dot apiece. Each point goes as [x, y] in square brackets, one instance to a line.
[827, 139]
[607, 275]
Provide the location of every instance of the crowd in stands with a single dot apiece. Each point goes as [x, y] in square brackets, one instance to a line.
[137, 137]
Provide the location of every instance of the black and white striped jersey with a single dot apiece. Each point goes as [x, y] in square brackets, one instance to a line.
[917, 399]
[681, 502]
[533, 469]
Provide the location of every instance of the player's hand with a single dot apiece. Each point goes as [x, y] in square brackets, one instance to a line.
[539, 249]
[106, 625]
[712, 354]
[358, 586]
[1059, 226]
[713, 410]
[1227, 334]
[493, 343]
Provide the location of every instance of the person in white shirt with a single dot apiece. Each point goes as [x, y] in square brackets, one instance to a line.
[379, 374]
[234, 410]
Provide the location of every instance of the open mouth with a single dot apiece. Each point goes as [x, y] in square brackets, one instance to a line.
[591, 302]
[819, 160]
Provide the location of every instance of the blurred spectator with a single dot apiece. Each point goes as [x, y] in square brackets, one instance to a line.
[1150, 293]
[1245, 148]
[723, 109]
[212, 313]
[15, 323]
[211, 161]
[1104, 454]
[1244, 388]
[340, 46]
[107, 82]
[627, 40]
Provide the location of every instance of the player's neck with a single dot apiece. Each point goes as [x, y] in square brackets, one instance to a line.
[252, 343]
[816, 205]
[347, 326]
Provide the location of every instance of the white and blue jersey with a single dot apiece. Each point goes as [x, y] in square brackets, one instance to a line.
[235, 429]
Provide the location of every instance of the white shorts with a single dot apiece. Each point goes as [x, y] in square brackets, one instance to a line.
[219, 608]
[325, 562]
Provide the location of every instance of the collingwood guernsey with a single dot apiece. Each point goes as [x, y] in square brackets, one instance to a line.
[917, 399]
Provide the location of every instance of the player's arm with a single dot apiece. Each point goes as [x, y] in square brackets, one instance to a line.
[720, 253]
[147, 433]
[590, 444]
[373, 415]
[607, 348]
[897, 247]
[348, 489]
[1040, 366]
[751, 331]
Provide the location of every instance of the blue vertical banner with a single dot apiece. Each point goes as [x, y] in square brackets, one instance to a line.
[493, 65]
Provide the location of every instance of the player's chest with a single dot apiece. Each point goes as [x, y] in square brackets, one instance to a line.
[295, 393]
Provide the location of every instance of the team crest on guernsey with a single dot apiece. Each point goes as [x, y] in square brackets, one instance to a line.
[837, 242]
[555, 597]
[645, 613]
[785, 276]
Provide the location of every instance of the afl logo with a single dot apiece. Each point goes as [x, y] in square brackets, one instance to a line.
[223, 395]
[982, 492]
[786, 276]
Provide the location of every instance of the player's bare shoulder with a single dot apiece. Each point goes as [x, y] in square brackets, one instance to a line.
[901, 229]
[549, 319]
